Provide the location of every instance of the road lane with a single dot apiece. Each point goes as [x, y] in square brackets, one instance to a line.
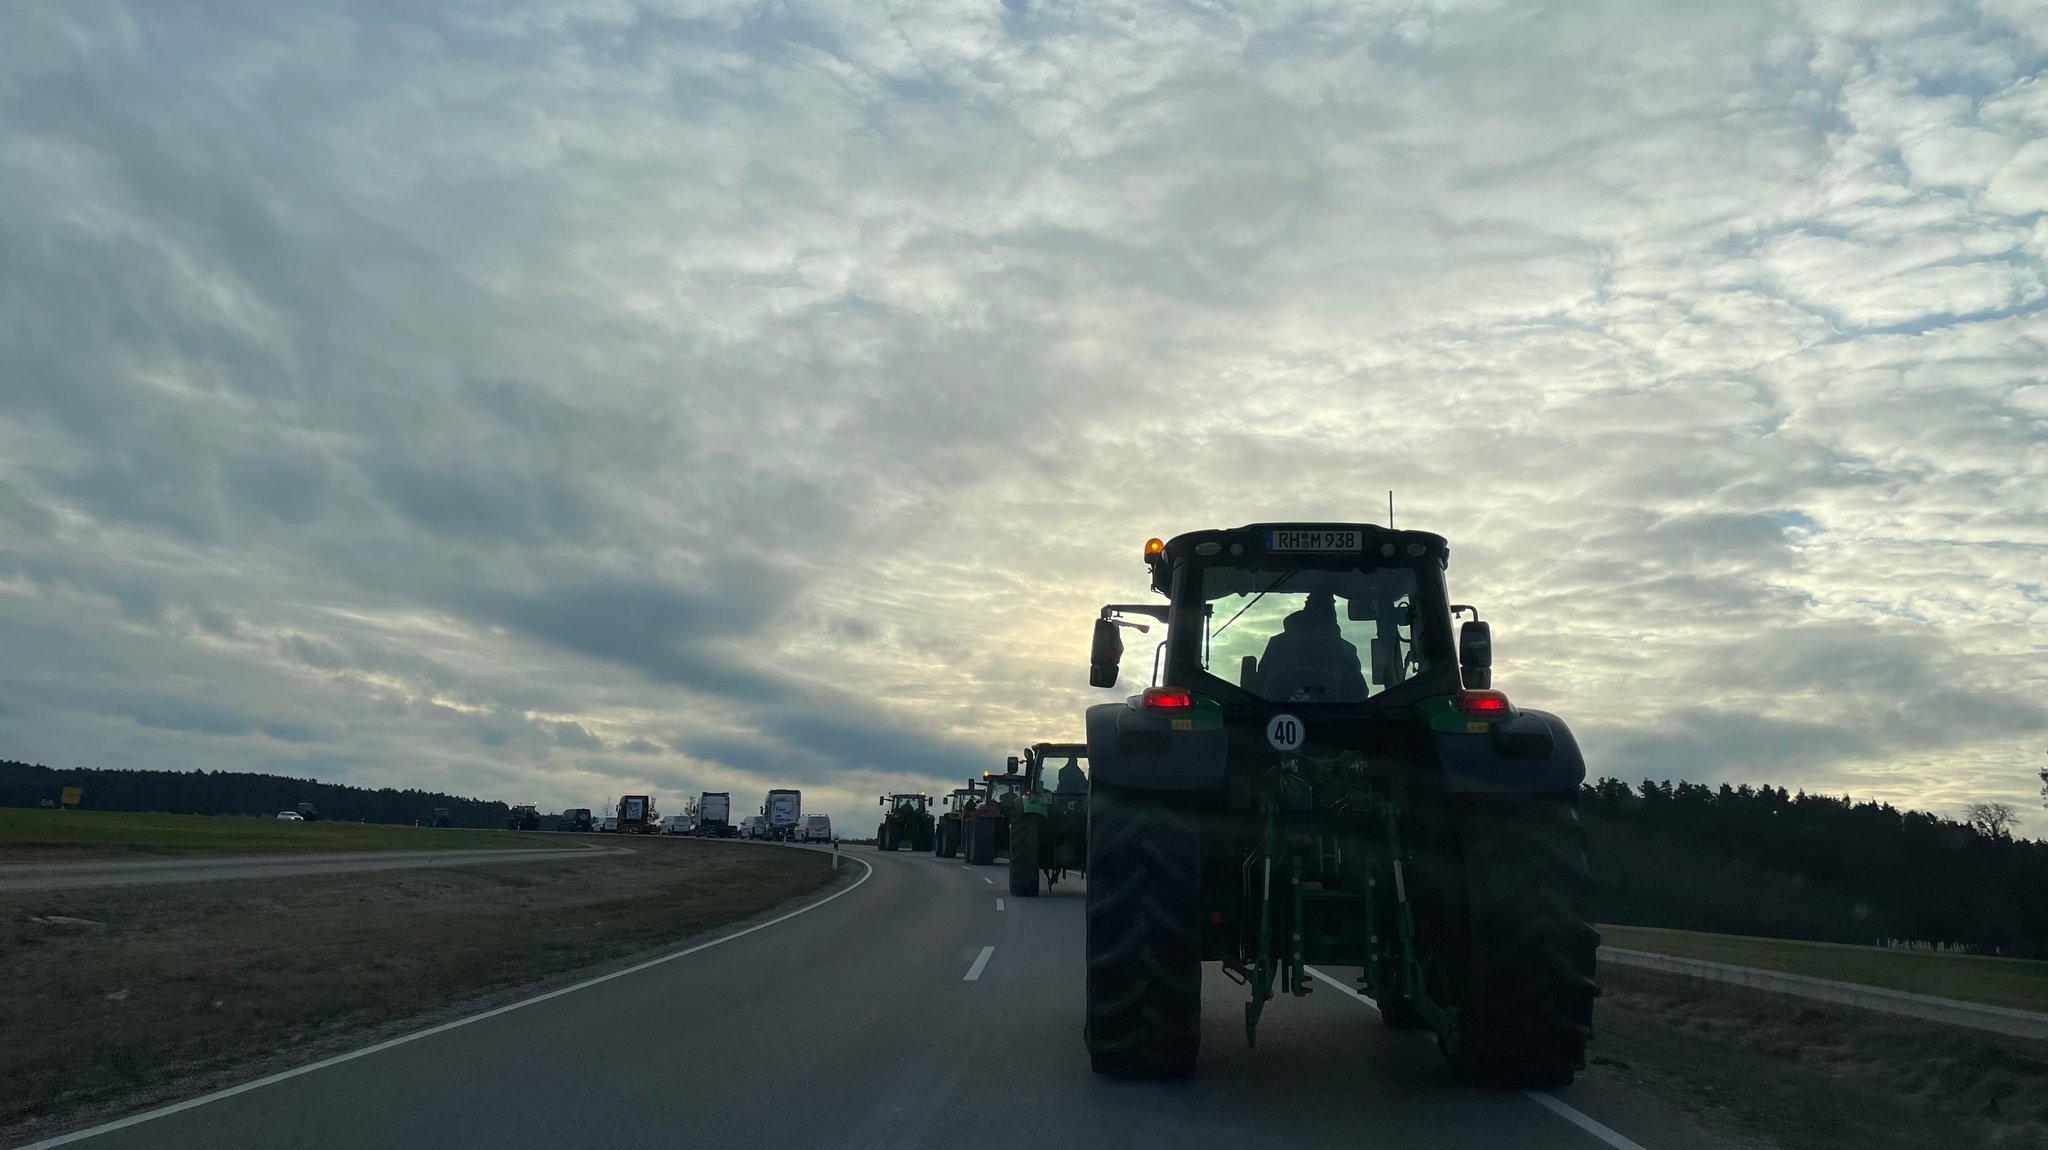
[851, 1025]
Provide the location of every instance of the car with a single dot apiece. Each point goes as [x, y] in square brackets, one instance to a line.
[290, 817]
[814, 829]
[610, 825]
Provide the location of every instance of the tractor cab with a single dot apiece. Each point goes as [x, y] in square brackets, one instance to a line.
[1056, 769]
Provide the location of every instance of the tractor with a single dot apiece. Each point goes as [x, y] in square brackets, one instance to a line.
[1049, 824]
[1323, 779]
[949, 831]
[907, 822]
[525, 817]
[987, 823]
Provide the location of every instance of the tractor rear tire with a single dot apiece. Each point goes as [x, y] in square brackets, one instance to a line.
[1024, 840]
[1526, 977]
[882, 838]
[949, 839]
[981, 841]
[1144, 937]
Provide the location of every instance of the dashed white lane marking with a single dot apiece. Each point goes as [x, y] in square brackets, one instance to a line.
[401, 1040]
[964, 866]
[1550, 1102]
[980, 964]
[989, 881]
[999, 904]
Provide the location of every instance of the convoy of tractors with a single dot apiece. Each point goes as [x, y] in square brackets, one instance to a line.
[1319, 777]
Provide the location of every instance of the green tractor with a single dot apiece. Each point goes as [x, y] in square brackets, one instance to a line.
[949, 833]
[1049, 829]
[1278, 803]
[525, 817]
[986, 825]
[907, 823]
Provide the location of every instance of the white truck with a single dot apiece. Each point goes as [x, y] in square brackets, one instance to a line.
[714, 815]
[784, 813]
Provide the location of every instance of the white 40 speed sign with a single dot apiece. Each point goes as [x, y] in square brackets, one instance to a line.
[1284, 732]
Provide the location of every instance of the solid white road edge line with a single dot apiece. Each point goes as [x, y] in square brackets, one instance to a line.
[980, 963]
[429, 1032]
[1550, 1102]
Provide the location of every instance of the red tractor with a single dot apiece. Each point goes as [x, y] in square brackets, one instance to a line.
[986, 827]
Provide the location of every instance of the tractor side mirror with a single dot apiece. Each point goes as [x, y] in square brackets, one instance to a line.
[1105, 653]
[1475, 654]
[1012, 763]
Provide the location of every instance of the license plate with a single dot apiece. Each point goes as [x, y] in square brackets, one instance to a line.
[1313, 541]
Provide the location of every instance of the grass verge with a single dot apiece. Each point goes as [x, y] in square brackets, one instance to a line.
[2015, 982]
[1815, 1076]
[33, 835]
[163, 985]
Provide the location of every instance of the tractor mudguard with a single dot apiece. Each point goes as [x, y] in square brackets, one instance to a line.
[1532, 753]
[1127, 747]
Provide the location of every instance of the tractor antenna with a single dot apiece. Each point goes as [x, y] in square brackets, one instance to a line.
[1390, 509]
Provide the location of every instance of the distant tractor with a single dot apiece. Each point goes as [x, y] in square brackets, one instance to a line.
[441, 817]
[949, 832]
[308, 813]
[524, 817]
[987, 826]
[907, 823]
[1049, 824]
[637, 817]
[577, 819]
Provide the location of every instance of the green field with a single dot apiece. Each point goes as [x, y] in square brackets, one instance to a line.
[2015, 982]
[28, 834]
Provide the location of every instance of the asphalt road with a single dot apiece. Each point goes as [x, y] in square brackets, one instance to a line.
[909, 1011]
[77, 875]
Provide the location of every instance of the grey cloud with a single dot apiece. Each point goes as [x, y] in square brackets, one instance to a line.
[786, 387]
[573, 734]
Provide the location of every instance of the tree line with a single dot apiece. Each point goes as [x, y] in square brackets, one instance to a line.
[1765, 861]
[235, 793]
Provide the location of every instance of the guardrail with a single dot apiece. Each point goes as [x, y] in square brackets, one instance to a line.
[1953, 1011]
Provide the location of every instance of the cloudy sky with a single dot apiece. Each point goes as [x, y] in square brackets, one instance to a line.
[546, 401]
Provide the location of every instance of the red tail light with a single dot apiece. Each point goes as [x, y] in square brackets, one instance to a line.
[1483, 704]
[1168, 699]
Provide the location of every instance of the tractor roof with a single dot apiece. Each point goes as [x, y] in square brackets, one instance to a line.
[1287, 538]
[1054, 750]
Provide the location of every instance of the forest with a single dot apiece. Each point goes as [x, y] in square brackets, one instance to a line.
[1757, 860]
[1764, 861]
[234, 793]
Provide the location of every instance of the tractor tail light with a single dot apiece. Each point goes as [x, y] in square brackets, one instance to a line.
[1483, 704]
[1168, 699]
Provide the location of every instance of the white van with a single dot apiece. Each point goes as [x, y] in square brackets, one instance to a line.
[814, 829]
[754, 827]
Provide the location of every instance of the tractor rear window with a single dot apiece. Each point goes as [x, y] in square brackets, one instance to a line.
[1312, 635]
